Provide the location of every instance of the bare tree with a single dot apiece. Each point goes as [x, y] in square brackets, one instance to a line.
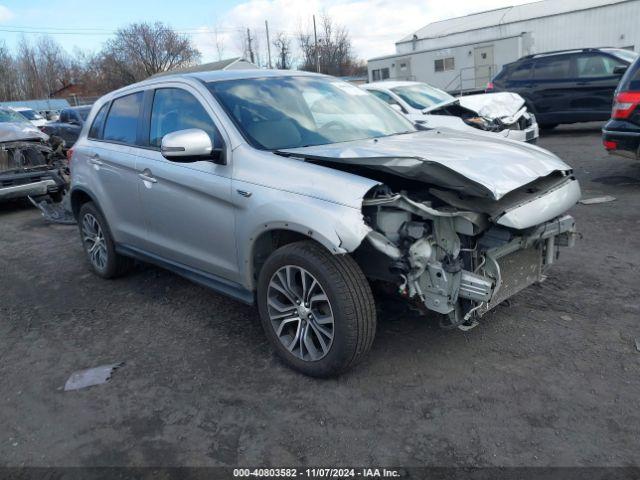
[10, 84]
[282, 44]
[40, 68]
[218, 41]
[141, 50]
[334, 49]
[53, 65]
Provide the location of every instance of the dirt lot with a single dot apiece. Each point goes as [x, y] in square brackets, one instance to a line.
[550, 380]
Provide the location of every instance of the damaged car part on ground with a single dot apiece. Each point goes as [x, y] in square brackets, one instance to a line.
[295, 191]
[32, 164]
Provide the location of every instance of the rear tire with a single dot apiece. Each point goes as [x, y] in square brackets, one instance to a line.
[98, 244]
[300, 287]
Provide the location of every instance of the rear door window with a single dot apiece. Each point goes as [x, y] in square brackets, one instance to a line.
[553, 68]
[520, 72]
[122, 122]
[176, 109]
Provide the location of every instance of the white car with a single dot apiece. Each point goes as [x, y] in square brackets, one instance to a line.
[502, 114]
[34, 117]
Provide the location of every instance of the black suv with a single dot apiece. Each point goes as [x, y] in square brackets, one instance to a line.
[69, 125]
[621, 134]
[566, 86]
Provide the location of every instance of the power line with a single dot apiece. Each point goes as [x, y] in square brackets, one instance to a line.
[198, 31]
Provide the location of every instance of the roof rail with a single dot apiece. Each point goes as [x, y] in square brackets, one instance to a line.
[590, 49]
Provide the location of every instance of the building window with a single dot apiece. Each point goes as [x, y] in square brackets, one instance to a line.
[403, 67]
[379, 74]
[444, 64]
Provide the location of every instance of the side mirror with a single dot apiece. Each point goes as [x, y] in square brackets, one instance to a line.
[620, 69]
[189, 145]
[396, 107]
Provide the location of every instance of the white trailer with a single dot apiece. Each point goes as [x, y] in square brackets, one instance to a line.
[464, 53]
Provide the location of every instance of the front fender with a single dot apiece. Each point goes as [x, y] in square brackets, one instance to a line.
[339, 228]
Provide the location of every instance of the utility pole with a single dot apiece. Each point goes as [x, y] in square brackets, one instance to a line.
[315, 36]
[249, 46]
[266, 26]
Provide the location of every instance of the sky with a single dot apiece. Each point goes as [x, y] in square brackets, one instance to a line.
[374, 25]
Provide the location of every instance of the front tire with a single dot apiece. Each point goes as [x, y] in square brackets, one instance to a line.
[98, 244]
[316, 308]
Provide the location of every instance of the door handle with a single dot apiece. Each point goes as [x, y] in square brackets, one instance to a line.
[95, 160]
[147, 178]
[244, 193]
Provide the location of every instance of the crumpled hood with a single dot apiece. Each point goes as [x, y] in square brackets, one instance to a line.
[502, 105]
[470, 163]
[15, 132]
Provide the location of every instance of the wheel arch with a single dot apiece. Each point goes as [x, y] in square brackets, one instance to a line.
[276, 235]
[80, 196]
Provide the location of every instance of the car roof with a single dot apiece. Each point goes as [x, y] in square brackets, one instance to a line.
[213, 76]
[222, 75]
[391, 84]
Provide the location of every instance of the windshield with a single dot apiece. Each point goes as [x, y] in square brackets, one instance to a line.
[288, 112]
[422, 96]
[626, 55]
[11, 116]
[31, 114]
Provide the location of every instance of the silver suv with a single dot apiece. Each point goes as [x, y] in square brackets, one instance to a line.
[299, 192]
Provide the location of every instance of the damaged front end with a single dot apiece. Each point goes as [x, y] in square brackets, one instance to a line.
[458, 262]
[33, 165]
[459, 222]
[31, 162]
[493, 112]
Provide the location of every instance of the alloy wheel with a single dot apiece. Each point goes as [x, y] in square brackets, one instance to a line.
[94, 242]
[300, 313]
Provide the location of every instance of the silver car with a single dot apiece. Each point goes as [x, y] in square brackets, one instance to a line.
[298, 192]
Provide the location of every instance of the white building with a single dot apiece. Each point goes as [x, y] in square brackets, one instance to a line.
[464, 53]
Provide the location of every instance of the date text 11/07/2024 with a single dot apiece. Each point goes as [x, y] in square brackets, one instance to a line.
[316, 473]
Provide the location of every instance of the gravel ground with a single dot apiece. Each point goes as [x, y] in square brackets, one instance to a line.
[551, 379]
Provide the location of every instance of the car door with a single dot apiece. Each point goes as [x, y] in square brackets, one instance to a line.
[596, 82]
[188, 208]
[112, 134]
[553, 88]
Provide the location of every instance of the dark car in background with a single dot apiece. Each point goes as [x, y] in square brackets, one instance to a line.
[621, 134]
[69, 124]
[567, 86]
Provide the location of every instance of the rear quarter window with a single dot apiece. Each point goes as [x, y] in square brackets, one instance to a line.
[98, 123]
[631, 79]
[122, 121]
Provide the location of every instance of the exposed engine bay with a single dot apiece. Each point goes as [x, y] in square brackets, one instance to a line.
[452, 261]
[34, 166]
[33, 161]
